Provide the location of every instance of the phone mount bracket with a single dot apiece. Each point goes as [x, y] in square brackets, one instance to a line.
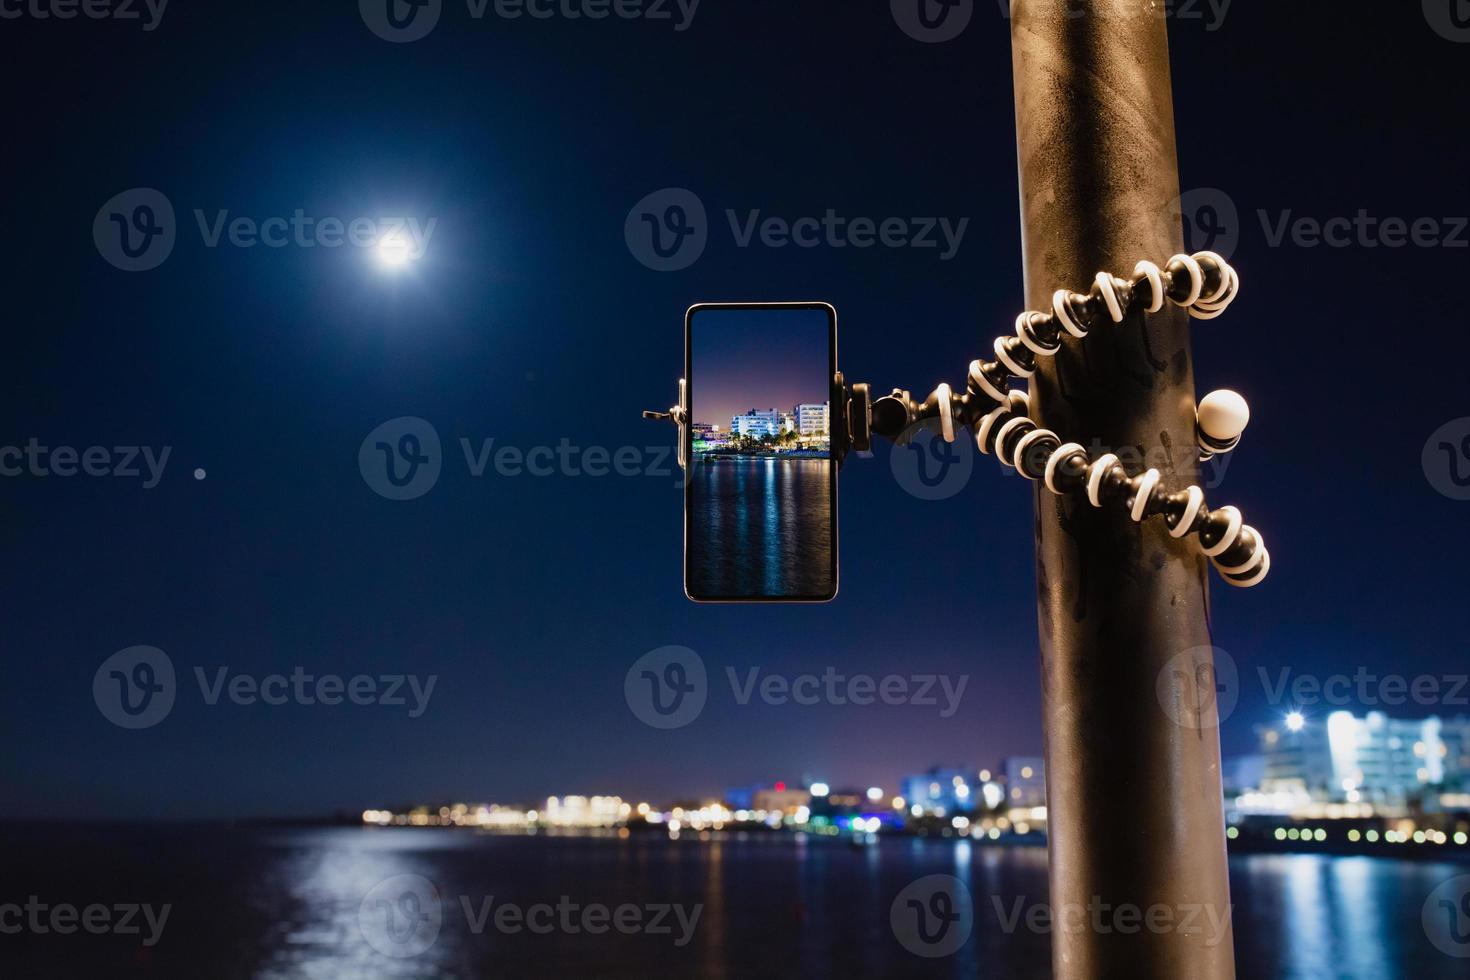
[678, 414]
[998, 415]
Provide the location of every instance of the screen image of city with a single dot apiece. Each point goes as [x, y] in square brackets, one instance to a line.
[760, 520]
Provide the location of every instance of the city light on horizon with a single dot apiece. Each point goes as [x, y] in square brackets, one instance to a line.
[1297, 799]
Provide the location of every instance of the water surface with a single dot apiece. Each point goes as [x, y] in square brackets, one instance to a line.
[288, 904]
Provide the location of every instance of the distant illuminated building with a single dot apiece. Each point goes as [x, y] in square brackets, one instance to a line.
[1385, 762]
[842, 801]
[1241, 774]
[583, 811]
[941, 792]
[1025, 781]
[742, 797]
[1298, 766]
[781, 798]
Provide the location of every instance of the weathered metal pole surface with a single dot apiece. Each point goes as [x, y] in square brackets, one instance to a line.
[1135, 817]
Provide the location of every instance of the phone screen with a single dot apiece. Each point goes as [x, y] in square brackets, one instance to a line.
[760, 499]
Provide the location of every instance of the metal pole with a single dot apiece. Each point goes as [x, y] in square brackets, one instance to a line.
[1135, 816]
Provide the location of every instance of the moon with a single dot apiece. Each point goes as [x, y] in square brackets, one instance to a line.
[393, 252]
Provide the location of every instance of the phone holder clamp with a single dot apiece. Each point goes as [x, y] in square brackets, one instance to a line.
[678, 414]
[998, 416]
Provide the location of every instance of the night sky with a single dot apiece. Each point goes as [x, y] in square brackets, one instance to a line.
[528, 321]
[761, 359]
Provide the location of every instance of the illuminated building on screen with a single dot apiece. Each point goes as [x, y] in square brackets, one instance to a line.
[812, 420]
[757, 423]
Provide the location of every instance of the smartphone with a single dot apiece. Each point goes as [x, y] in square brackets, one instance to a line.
[760, 493]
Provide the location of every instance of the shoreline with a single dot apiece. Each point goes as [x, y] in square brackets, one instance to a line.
[784, 457]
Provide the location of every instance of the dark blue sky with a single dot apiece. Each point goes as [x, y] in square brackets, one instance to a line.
[528, 321]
